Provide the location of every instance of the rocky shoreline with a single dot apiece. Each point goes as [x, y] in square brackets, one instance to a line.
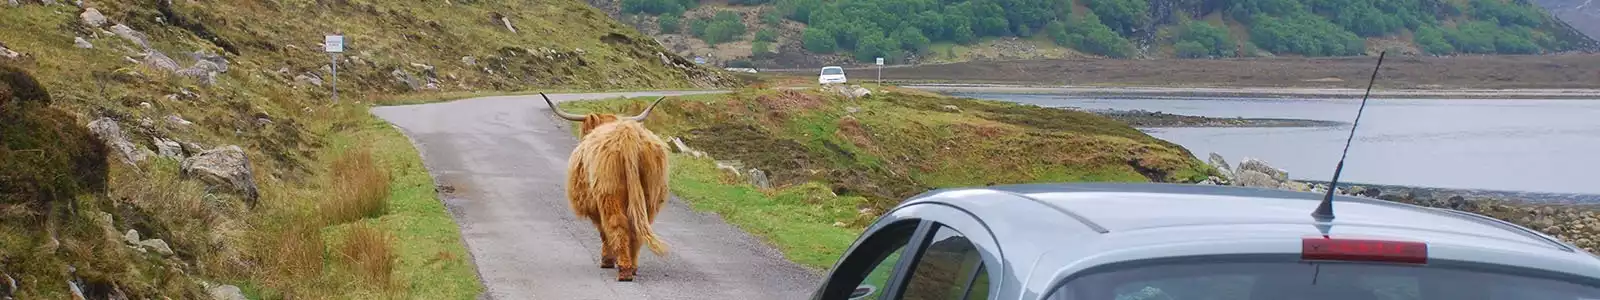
[1156, 119]
[1571, 218]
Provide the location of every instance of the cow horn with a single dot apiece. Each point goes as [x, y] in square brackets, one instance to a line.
[646, 112]
[564, 115]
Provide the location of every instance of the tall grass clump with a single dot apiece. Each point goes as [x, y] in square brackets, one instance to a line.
[367, 251]
[360, 188]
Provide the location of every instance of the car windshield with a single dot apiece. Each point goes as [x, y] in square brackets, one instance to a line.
[1302, 281]
[832, 71]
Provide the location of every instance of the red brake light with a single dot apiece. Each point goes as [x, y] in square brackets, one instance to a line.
[1321, 248]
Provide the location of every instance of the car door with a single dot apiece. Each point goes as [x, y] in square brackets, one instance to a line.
[910, 258]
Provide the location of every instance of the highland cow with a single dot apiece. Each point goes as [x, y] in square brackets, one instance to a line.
[617, 178]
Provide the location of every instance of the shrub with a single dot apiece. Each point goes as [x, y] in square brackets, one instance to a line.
[670, 24]
[367, 251]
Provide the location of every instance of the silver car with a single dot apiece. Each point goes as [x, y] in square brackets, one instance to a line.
[1168, 241]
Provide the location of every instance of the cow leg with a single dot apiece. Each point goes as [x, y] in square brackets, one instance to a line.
[607, 258]
[619, 233]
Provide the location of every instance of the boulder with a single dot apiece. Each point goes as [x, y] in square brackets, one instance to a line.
[1294, 186]
[158, 60]
[157, 245]
[223, 167]
[169, 148]
[1264, 168]
[226, 292]
[7, 53]
[468, 60]
[132, 237]
[1220, 164]
[92, 17]
[732, 166]
[951, 108]
[1252, 178]
[1371, 192]
[859, 92]
[758, 179]
[111, 134]
[138, 38]
[81, 43]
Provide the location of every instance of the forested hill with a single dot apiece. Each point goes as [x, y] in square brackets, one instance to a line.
[908, 31]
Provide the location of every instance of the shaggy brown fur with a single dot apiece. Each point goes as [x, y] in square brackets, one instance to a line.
[617, 178]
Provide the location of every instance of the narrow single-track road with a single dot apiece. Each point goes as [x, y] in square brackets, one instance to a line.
[502, 162]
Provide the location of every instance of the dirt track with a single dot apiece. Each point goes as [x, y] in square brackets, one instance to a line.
[1575, 71]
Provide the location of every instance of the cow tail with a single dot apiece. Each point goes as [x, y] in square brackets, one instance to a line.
[638, 204]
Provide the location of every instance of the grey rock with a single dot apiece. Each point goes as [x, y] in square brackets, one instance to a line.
[507, 22]
[1251, 178]
[308, 79]
[132, 237]
[732, 166]
[1264, 168]
[177, 120]
[81, 43]
[13, 3]
[224, 167]
[1372, 192]
[951, 108]
[138, 38]
[7, 53]
[468, 60]
[758, 179]
[406, 78]
[158, 60]
[111, 134]
[209, 61]
[1220, 164]
[852, 109]
[77, 292]
[10, 284]
[157, 245]
[168, 148]
[860, 92]
[226, 292]
[92, 17]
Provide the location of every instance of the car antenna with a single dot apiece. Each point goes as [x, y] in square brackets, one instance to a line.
[1324, 210]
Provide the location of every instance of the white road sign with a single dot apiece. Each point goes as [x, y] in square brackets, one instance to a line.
[333, 43]
[880, 61]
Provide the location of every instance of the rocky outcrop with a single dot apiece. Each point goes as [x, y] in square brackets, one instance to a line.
[92, 18]
[112, 135]
[226, 168]
[226, 292]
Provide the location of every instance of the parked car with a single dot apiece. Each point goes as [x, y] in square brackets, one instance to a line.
[831, 74]
[1104, 241]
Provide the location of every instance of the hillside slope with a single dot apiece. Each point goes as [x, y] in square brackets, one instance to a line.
[810, 33]
[161, 149]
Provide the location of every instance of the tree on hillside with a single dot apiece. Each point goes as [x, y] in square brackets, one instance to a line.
[1432, 41]
[912, 40]
[1124, 16]
[669, 24]
[767, 35]
[818, 40]
[1205, 40]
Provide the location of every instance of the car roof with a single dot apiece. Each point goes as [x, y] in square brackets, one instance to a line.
[1101, 223]
[832, 67]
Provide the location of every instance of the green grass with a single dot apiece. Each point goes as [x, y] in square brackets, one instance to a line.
[801, 230]
[900, 143]
[432, 260]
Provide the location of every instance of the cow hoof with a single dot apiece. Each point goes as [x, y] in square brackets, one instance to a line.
[607, 263]
[625, 274]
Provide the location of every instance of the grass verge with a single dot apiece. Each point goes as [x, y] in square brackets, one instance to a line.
[835, 163]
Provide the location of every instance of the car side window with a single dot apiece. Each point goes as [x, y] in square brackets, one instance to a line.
[950, 268]
[865, 272]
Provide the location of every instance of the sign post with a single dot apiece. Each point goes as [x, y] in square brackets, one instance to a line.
[333, 45]
[880, 70]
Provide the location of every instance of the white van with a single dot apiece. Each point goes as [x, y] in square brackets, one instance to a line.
[831, 74]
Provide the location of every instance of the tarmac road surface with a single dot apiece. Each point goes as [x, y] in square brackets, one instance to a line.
[501, 164]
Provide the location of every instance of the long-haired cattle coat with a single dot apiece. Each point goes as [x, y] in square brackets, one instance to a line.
[617, 178]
